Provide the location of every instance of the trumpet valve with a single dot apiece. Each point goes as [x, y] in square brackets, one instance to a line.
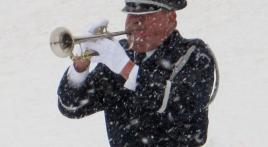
[101, 30]
[87, 55]
[91, 52]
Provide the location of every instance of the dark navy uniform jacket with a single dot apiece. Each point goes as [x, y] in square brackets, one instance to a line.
[131, 117]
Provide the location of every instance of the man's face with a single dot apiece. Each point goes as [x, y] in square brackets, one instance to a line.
[148, 31]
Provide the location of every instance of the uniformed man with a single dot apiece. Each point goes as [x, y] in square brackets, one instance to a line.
[153, 86]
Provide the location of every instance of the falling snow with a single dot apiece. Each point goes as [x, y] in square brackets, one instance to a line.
[29, 81]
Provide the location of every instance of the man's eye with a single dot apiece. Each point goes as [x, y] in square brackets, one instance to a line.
[137, 23]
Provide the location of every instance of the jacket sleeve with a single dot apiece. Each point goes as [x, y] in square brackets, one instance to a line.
[186, 113]
[99, 91]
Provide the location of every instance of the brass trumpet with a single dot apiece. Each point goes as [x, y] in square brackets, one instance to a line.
[62, 41]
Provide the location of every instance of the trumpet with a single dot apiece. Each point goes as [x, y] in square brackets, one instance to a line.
[62, 41]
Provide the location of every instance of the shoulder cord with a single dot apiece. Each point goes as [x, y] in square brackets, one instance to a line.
[177, 68]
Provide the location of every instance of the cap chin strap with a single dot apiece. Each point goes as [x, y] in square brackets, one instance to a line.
[150, 2]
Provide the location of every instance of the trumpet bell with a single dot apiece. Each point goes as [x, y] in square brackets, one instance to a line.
[61, 42]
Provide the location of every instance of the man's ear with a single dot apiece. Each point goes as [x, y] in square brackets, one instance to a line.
[172, 19]
[172, 16]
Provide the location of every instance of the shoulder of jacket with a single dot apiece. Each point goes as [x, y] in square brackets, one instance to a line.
[201, 50]
[199, 43]
[183, 46]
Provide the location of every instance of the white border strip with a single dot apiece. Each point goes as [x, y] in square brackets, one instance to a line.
[166, 97]
[178, 66]
[72, 108]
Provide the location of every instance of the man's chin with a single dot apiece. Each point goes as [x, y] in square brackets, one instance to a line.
[138, 46]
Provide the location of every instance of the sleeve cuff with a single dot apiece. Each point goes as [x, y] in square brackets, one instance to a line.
[75, 78]
[131, 82]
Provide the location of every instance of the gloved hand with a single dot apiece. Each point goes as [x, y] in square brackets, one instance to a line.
[111, 53]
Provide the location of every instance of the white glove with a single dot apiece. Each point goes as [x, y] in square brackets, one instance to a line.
[111, 53]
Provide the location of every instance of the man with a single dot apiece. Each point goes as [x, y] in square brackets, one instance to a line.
[154, 92]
